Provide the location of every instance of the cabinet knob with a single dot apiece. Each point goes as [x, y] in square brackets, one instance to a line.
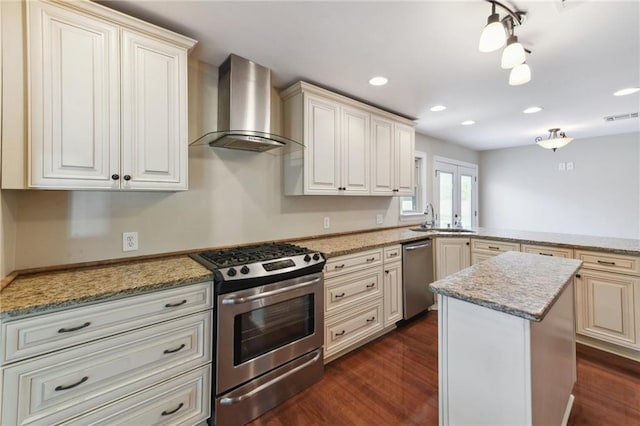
[578, 276]
[127, 177]
[468, 243]
[115, 176]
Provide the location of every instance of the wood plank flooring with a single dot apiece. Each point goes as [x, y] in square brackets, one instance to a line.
[394, 381]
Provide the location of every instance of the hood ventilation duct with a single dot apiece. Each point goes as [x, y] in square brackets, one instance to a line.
[244, 109]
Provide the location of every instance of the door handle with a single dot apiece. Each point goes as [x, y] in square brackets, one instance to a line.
[239, 300]
[411, 248]
[236, 399]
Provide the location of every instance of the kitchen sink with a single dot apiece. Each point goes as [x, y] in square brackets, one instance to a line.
[453, 230]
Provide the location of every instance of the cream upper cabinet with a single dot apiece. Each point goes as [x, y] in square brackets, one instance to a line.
[107, 100]
[392, 157]
[350, 148]
[452, 255]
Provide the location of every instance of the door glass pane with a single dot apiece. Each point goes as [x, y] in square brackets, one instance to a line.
[446, 199]
[261, 330]
[466, 206]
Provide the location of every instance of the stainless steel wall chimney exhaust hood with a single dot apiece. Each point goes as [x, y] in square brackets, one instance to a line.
[244, 109]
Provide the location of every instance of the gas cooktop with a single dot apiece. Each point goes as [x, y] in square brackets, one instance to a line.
[255, 265]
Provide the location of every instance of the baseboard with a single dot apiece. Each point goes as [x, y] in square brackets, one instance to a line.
[567, 411]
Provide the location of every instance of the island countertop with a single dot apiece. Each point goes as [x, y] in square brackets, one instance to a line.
[520, 284]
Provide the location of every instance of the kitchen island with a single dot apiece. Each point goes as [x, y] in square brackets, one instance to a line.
[507, 341]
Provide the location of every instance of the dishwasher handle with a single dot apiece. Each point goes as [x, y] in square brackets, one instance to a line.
[411, 248]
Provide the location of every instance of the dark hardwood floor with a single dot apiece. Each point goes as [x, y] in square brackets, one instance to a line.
[394, 381]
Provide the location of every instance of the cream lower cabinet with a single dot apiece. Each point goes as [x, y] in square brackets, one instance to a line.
[482, 249]
[108, 100]
[348, 145]
[452, 255]
[153, 365]
[608, 299]
[363, 298]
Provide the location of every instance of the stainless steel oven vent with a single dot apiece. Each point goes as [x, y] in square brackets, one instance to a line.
[244, 109]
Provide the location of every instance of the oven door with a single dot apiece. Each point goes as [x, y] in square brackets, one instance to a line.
[264, 327]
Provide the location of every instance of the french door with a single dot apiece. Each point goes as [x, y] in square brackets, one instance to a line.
[455, 193]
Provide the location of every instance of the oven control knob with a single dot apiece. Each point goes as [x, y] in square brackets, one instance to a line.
[307, 258]
[231, 272]
[316, 256]
[244, 270]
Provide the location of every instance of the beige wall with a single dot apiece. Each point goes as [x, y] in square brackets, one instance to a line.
[234, 197]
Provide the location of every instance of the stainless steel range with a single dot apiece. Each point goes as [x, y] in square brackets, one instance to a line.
[269, 327]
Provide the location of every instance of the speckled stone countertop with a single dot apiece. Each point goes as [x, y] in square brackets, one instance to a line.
[36, 293]
[521, 284]
[344, 244]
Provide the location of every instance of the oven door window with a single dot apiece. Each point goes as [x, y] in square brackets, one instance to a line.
[264, 329]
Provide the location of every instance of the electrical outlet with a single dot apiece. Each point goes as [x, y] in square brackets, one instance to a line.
[570, 165]
[379, 219]
[129, 241]
[561, 167]
[326, 223]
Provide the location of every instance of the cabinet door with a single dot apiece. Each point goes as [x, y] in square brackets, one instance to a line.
[383, 166]
[74, 99]
[355, 151]
[392, 293]
[322, 137]
[154, 122]
[404, 158]
[606, 307]
[452, 255]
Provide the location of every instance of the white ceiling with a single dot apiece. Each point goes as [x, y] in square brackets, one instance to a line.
[582, 51]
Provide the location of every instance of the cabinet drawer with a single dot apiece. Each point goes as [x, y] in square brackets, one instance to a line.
[351, 327]
[183, 400]
[609, 262]
[352, 262]
[392, 253]
[348, 289]
[494, 246]
[45, 333]
[548, 251]
[62, 385]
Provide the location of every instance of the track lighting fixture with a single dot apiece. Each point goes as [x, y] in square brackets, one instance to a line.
[556, 139]
[493, 37]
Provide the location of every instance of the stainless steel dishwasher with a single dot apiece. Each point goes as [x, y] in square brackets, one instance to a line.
[417, 274]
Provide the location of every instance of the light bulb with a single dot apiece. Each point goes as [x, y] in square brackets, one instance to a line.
[513, 54]
[493, 35]
[520, 74]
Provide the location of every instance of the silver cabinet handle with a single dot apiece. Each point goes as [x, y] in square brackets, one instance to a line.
[236, 399]
[238, 300]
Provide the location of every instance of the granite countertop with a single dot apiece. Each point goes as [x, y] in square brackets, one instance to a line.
[520, 284]
[46, 291]
[345, 244]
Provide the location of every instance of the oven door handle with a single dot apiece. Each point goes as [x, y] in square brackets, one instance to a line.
[239, 300]
[235, 399]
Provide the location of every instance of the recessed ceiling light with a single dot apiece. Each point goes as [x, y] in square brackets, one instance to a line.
[468, 123]
[378, 81]
[627, 91]
[532, 110]
[437, 108]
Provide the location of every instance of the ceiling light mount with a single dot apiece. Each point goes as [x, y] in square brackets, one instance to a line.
[556, 139]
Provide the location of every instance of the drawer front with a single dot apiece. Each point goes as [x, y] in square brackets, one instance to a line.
[46, 333]
[494, 246]
[348, 289]
[548, 251]
[392, 253]
[352, 262]
[183, 400]
[609, 262]
[348, 329]
[62, 385]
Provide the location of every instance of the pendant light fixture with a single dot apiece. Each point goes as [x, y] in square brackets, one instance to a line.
[520, 74]
[556, 139]
[493, 35]
[513, 54]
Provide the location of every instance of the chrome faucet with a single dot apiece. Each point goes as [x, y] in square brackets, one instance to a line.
[428, 210]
